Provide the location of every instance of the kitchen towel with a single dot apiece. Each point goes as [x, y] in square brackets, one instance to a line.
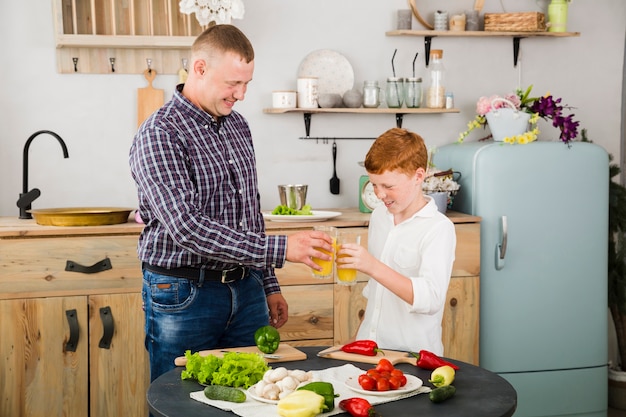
[337, 376]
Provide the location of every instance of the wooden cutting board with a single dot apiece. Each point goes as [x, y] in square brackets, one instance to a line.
[394, 356]
[285, 353]
[149, 99]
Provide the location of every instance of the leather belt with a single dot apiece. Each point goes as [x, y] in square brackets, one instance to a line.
[201, 274]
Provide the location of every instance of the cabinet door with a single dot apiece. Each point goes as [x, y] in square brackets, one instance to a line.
[119, 373]
[39, 376]
[461, 320]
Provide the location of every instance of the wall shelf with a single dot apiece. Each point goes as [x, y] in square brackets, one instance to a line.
[120, 36]
[400, 112]
[516, 36]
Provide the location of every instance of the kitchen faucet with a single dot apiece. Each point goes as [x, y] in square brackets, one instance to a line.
[27, 197]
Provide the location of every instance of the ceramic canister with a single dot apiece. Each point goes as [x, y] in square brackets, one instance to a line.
[307, 92]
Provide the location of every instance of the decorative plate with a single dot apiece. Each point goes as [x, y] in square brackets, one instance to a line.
[412, 383]
[317, 216]
[333, 70]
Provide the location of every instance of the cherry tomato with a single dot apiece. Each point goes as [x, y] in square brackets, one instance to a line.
[402, 379]
[367, 382]
[397, 372]
[395, 382]
[384, 365]
[373, 373]
[382, 385]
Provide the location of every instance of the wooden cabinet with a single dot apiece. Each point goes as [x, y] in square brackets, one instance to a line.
[71, 342]
[324, 313]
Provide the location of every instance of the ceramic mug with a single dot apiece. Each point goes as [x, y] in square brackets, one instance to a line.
[284, 99]
[307, 92]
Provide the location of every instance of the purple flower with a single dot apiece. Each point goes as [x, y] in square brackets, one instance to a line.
[549, 108]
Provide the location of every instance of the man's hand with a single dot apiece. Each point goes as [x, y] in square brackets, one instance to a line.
[278, 310]
[303, 246]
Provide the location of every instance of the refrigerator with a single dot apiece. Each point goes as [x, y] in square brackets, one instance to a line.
[543, 273]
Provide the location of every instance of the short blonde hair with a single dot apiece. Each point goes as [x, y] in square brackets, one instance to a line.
[221, 39]
[397, 149]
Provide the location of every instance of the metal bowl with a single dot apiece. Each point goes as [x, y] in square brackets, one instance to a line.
[81, 216]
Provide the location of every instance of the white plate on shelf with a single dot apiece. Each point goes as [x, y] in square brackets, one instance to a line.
[251, 392]
[412, 383]
[333, 70]
[317, 216]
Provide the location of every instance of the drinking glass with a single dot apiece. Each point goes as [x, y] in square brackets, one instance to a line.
[346, 276]
[327, 266]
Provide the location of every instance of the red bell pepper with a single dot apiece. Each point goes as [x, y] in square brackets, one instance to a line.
[362, 347]
[358, 407]
[429, 360]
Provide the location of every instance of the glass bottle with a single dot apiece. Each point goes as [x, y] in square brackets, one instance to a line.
[371, 94]
[394, 93]
[413, 92]
[435, 95]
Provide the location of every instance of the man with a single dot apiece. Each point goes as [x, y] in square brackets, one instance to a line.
[208, 265]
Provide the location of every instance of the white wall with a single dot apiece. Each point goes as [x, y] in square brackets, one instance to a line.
[96, 114]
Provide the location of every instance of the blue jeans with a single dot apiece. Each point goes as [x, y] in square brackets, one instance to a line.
[182, 316]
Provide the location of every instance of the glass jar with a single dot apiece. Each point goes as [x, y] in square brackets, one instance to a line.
[371, 94]
[435, 95]
[394, 93]
[413, 92]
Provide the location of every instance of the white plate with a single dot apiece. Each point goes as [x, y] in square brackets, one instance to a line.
[317, 216]
[333, 70]
[252, 394]
[412, 383]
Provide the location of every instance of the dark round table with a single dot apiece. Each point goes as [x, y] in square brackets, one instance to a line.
[480, 393]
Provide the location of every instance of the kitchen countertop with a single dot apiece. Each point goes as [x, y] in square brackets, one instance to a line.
[350, 217]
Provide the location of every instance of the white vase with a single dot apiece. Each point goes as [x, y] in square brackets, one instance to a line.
[505, 123]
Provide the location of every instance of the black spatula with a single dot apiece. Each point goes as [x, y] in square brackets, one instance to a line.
[334, 181]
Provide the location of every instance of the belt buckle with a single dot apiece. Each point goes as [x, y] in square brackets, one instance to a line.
[226, 271]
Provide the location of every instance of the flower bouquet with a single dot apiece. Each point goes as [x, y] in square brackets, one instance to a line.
[523, 111]
[441, 183]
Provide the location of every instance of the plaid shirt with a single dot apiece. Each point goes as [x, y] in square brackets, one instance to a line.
[198, 193]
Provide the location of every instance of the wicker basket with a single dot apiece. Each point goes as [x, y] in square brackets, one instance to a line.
[515, 22]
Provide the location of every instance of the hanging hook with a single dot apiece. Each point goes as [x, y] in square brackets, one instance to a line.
[149, 63]
[75, 61]
[112, 61]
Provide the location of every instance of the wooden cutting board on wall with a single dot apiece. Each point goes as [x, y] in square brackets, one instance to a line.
[149, 99]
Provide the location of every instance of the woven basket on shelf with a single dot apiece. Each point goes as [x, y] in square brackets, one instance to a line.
[515, 22]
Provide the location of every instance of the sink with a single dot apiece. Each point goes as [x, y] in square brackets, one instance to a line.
[81, 216]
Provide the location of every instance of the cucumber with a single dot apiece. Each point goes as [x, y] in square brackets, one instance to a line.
[442, 393]
[220, 392]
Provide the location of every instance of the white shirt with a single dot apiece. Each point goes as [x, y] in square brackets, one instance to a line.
[421, 248]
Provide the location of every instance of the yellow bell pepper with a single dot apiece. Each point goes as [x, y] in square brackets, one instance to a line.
[301, 403]
[442, 376]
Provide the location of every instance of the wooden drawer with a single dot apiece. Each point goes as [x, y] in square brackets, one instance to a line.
[37, 266]
[310, 313]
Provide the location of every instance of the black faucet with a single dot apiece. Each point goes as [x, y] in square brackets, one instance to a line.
[27, 197]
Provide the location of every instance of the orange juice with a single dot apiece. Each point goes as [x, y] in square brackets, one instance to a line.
[327, 266]
[346, 276]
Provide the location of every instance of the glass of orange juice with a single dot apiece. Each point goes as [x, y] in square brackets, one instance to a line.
[346, 276]
[327, 266]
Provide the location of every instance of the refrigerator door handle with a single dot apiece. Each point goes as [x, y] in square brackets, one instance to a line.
[501, 247]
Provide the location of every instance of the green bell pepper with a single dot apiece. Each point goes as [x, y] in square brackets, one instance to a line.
[267, 339]
[325, 389]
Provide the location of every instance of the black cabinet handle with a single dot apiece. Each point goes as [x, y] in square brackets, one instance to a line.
[72, 320]
[99, 266]
[108, 327]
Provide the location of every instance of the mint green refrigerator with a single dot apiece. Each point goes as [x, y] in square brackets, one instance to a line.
[543, 289]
